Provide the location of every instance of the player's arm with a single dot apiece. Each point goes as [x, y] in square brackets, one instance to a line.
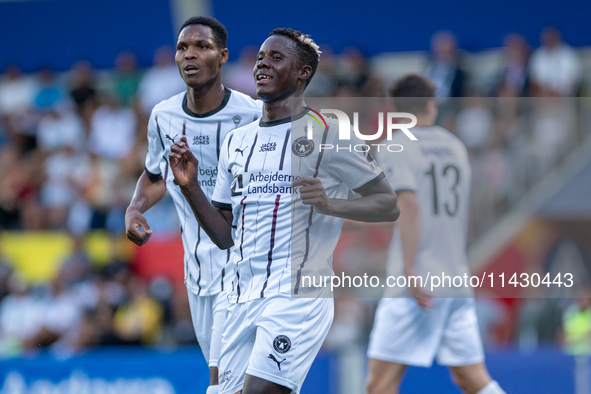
[149, 190]
[378, 201]
[217, 223]
[409, 225]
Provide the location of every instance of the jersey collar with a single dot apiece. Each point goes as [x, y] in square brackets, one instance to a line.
[209, 113]
[284, 120]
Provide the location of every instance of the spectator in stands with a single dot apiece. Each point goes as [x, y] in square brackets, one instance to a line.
[49, 93]
[66, 170]
[112, 128]
[353, 69]
[83, 90]
[139, 321]
[17, 92]
[59, 127]
[19, 317]
[59, 317]
[324, 83]
[444, 67]
[555, 68]
[126, 78]
[161, 81]
[514, 81]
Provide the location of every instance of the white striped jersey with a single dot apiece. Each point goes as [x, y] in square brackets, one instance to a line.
[205, 264]
[277, 239]
[437, 170]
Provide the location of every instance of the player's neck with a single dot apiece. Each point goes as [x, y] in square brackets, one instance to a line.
[205, 98]
[282, 109]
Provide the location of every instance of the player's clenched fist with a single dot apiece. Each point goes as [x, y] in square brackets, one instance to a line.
[137, 229]
[313, 193]
[183, 163]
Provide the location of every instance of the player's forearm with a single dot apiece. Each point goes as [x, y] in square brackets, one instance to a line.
[379, 207]
[209, 217]
[147, 192]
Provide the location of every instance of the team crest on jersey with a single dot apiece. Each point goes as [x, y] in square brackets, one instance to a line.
[281, 344]
[302, 147]
[237, 119]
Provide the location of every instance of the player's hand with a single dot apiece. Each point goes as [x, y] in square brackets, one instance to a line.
[183, 163]
[423, 298]
[312, 193]
[137, 229]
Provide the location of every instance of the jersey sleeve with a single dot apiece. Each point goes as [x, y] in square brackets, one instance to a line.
[398, 169]
[155, 147]
[358, 170]
[222, 193]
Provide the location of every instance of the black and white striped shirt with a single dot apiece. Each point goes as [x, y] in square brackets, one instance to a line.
[277, 239]
[206, 266]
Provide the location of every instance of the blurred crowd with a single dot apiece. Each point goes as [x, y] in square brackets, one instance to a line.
[88, 305]
[72, 145]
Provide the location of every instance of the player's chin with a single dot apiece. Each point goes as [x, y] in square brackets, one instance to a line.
[266, 96]
[192, 81]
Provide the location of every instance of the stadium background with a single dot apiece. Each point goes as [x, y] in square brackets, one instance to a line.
[78, 80]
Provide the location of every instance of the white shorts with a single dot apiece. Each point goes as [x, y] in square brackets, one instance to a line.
[209, 317]
[274, 338]
[405, 334]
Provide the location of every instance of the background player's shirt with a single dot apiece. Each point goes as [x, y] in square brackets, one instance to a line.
[277, 239]
[437, 170]
[205, 264]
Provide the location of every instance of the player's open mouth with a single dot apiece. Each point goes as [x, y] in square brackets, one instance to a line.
[190, 70]
[262, 78]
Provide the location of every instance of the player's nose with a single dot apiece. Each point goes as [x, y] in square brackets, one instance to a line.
[263, 63]
[190, 53]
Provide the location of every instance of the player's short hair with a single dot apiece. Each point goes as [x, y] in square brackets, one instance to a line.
[308, 50]
[220, 34]
[412, 92]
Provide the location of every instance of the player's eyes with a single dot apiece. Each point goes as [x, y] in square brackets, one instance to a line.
[180, 48]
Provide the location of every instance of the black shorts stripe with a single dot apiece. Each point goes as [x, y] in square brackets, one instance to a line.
[159, 133]
[299, 273]
[224, 269]
[163, 148]
[370, 183]
[217, 139]
[153, 177]
[241, 251]
[197, 258]
[272, 244]
[229, 142]
[250, 154]
[284, 148]
[221, 205]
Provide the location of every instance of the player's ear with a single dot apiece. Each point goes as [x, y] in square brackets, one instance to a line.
[305, 72]
[224, 57]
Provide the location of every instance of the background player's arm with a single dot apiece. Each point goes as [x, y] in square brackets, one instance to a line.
[377, 204]
[148, 191]
[216, 223]
[410, 232]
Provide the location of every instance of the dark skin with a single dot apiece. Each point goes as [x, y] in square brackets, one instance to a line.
[280, 80]
[200, 62]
